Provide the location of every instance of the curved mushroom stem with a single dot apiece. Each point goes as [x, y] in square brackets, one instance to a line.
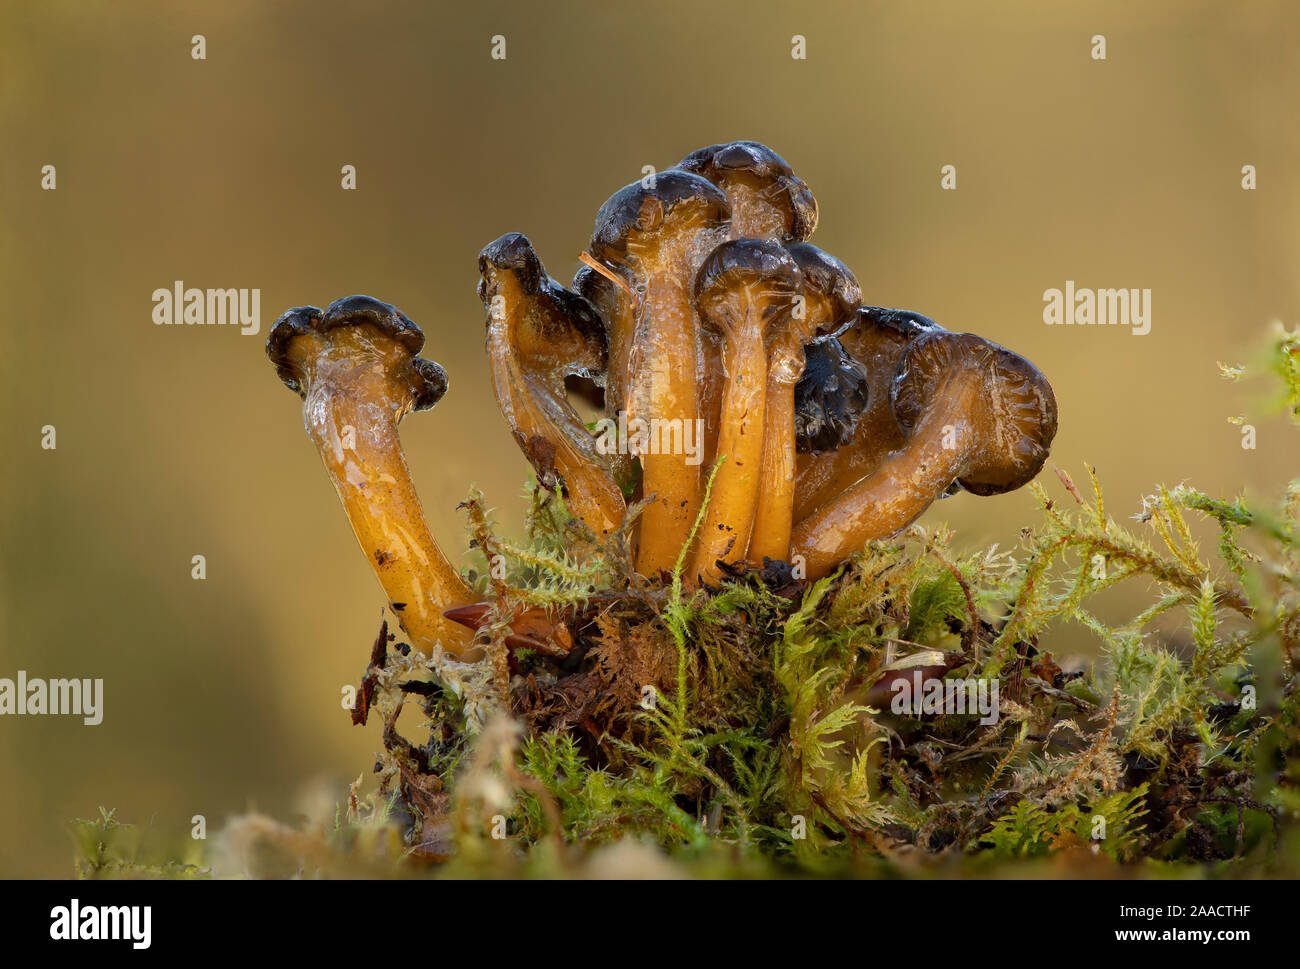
[555, 441]
[533, 340]
[877, 340]
[355, 391]
[895, 494]
[972, 412]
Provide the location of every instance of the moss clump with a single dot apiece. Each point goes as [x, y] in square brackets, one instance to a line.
[107, 849]
[749, 729]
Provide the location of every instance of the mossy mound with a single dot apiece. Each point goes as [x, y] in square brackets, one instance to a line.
[753, 729]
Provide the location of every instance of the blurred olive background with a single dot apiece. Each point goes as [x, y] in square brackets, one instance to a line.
[224, 694]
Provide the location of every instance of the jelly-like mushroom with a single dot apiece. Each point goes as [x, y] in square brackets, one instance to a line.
[616, 305]
[829, 399]
[830, 297]
[768, 201]
[876, 339]
[656, 233]
[538, 332]
[357, 368]
[971, 411]
[745, 290]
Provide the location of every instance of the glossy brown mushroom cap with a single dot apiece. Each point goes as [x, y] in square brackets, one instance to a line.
[905, 323]
[514, 253]
[598, 290]
[556, 312]
[829, 278]
[640, 210]
[428, 379]
[742, 263]
[602, 295]
[829, 399]
[767, 169]
[1012, 407]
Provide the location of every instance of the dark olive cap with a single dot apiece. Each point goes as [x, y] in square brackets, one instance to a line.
[596, 288]
[741, 261]
[736, 156]
[825, 274]
[513, 253]
[355, 311]
[906, 322]
[716, 162]
[829, 399]
[636, 208]
[600, 292]
[1020, 419]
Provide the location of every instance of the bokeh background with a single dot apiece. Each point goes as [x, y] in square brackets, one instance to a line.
[223, 694]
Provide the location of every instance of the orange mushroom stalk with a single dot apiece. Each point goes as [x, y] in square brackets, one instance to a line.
[972, 413]
[745, 290]
[830, 297]
[876, 339]
[356, 368]
[537, 333]
[656, 235]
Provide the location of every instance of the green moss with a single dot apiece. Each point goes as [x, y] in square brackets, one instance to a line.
[734, 731]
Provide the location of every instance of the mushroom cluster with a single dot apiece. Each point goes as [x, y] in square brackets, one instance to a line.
[749, 398]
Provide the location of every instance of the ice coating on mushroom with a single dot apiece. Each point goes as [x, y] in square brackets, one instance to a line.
[656, 234]
[768, 201]
[746, 291]
[355, 365]
[876, 338]
[538, 332]
[830, 296]
[972, 412]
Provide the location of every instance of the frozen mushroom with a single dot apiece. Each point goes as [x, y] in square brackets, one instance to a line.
[829, 399]
[768, 201]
